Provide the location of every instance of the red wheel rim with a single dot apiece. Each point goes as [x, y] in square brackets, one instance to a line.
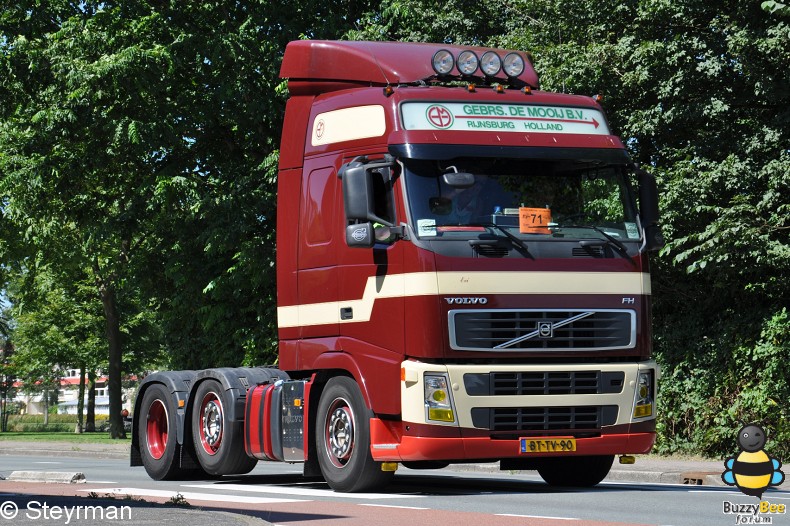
[211, 423]
[156, 429]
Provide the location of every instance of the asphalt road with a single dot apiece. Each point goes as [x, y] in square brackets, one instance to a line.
[277, 493]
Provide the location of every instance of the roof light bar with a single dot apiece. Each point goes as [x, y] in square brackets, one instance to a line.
[514, 65]
[490, 63]
[443, 62]
[467, 62]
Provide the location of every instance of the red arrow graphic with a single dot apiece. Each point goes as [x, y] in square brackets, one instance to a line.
[499, 118]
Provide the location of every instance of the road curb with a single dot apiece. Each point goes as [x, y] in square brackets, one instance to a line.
[49, 477]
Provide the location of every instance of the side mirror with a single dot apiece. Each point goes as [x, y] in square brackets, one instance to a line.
[359, 200]
[357, 191]
[648, 211]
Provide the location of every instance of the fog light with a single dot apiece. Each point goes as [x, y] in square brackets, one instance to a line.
[441, 415]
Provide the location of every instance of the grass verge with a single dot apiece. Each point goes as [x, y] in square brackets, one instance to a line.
[84, 438]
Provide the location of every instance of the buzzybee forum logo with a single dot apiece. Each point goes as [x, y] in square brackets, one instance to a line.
[752, 471]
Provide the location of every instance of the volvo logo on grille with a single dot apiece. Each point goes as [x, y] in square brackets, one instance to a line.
[545, 329]
[466, 301]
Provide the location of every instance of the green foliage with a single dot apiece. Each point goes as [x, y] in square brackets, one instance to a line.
[57, 325]
[57, 423]
[776, 7]
[138, 152]
[700, 92]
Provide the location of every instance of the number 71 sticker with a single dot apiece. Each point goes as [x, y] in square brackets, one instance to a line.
[534, 220]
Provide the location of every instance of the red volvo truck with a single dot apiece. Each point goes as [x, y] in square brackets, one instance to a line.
[462, 276]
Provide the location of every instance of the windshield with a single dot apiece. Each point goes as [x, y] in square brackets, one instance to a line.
[536, 200]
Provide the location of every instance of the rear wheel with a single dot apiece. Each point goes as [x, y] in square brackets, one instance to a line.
[219, 442]
[575, 471]
[156, 430]
[343, 439]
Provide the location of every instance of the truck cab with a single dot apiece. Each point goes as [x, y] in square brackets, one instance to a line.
[471, 250]
[462, 276]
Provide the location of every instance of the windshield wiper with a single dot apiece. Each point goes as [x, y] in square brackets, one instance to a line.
[610, 240]
[513, 238]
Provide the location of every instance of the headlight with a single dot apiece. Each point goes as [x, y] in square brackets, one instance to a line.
[467, 62]
[438, 399]
[513, 64]
[443, 62]
[490, 63]
[643, 398]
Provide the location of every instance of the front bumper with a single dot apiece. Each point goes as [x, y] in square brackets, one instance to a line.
[388, 444]
[534, 401]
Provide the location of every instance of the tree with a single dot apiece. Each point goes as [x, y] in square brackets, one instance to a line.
[699, 90]
[138, 145]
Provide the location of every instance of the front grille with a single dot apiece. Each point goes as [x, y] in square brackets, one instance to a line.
[515, 330]
[582, 418]
[543, 383]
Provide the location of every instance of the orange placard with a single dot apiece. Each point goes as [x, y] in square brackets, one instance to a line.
[534, 220]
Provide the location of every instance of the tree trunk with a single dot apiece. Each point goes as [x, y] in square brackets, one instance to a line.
[46, 406]
[113, 332]
[90, 418]
[81, 401]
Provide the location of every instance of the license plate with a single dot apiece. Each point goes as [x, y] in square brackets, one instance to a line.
[548, 445]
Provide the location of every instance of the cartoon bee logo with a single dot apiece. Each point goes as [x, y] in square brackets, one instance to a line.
[752, 470]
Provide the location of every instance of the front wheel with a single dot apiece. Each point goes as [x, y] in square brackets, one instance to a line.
[343, 439]
[582, 472]
[219, 442]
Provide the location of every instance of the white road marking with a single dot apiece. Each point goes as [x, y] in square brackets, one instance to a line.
[189, 496]
[303, 492]
[537, 517]
[390, 506]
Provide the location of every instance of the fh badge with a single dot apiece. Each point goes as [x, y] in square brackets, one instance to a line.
[752, 470]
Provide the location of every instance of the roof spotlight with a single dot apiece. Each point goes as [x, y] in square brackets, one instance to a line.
[443, 62]
[514, 64]
[490, 63]
[467, 62]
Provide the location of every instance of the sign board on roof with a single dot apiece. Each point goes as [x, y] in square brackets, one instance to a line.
[520, 118]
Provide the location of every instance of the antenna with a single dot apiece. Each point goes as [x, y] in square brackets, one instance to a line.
[372, 54]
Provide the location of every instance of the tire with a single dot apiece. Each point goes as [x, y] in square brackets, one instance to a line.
[343, 439]
[156, 430]
[582, 472]
[219, 442]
